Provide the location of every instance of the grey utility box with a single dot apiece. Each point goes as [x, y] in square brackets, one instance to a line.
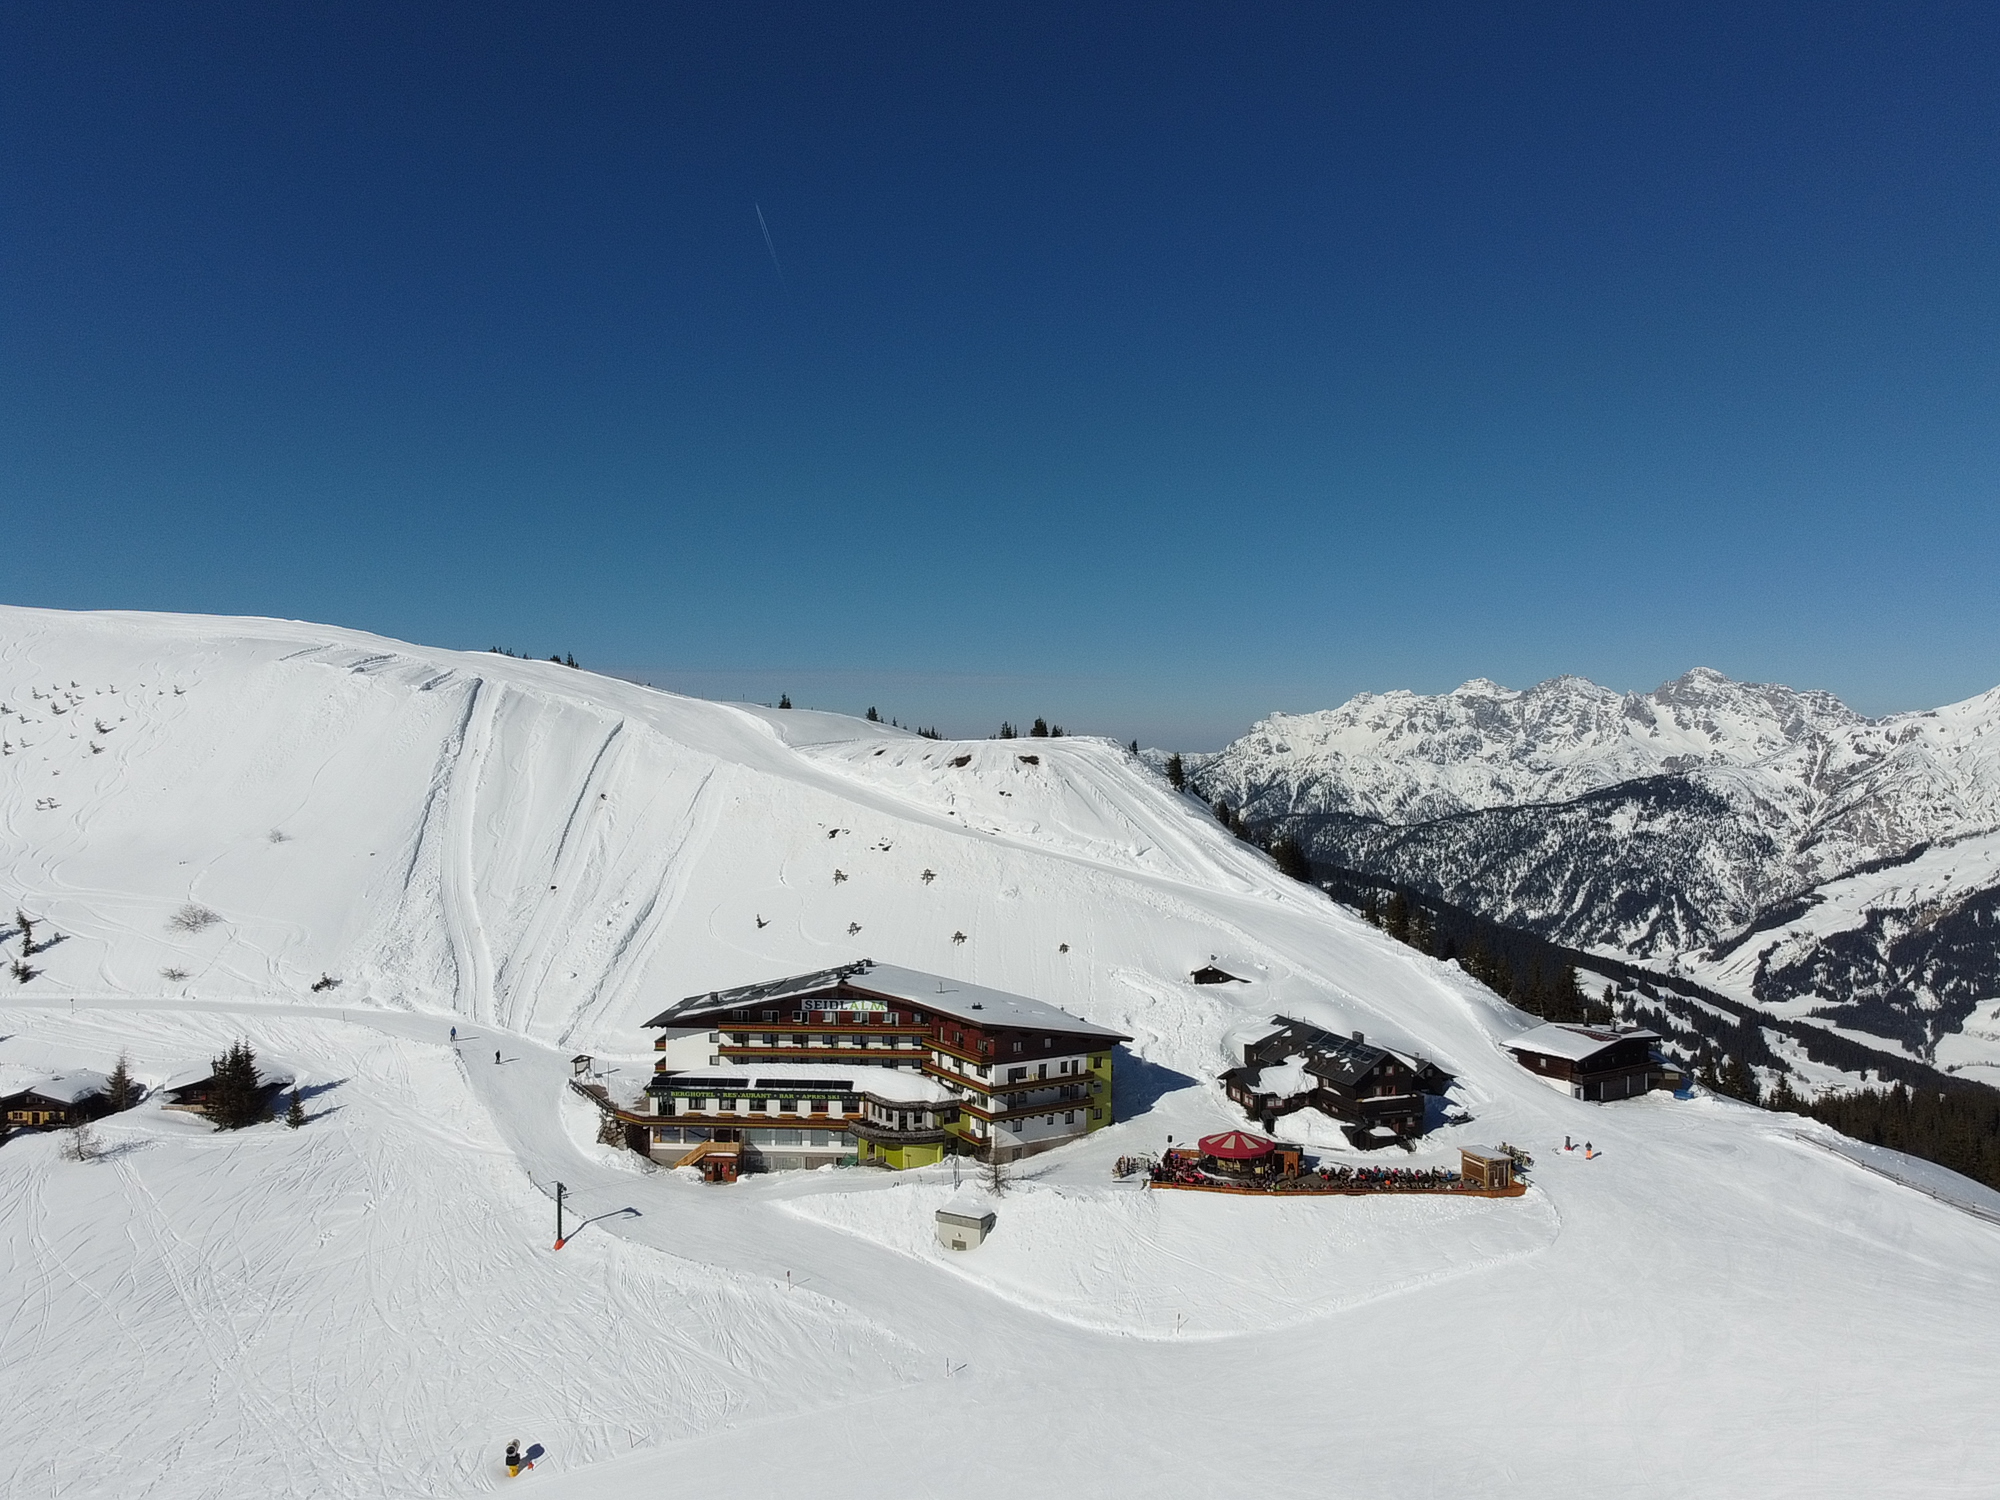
[964, 1223]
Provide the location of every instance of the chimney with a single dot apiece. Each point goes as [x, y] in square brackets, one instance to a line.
[1359, 1038]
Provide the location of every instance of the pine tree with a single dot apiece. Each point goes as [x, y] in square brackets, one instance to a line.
[1176, 772]
[1292, 859]
[237, 1100]
[1006, 731]
[1705, 1073]
[1782, 1098]
[118, 1093]
[1135, 747]
[1396, 920]
[295, 1115]
[1041, 729]
[1221, 812]
[1739, 1081]
[873, 717]
[27, 926]
[784, 700]
[1371, 910]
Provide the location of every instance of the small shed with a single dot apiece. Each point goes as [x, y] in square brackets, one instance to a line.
[1486, 1167]
[964, 1222]
[1210, 974]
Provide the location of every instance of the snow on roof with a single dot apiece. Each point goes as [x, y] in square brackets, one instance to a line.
[67, 1087]
[1284, 1079]
[892, 1085]
[270, 1075]
[912, 987]
[1577, 1043]
[969, 1202]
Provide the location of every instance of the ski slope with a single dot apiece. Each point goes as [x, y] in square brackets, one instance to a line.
[541, 858]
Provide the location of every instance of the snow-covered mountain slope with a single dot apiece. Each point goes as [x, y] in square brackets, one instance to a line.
[1648, 824]
[542, 858]
[1905, 948]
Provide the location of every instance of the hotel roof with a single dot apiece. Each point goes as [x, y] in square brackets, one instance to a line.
[869, 980]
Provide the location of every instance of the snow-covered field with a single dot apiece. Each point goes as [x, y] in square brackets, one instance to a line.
[371, 1305]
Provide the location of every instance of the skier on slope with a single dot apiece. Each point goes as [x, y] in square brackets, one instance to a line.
[513, 1457]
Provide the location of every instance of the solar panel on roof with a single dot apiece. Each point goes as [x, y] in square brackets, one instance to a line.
[806, 1085]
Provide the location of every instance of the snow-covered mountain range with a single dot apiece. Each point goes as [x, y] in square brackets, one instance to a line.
[1654, 825]
[436, 884]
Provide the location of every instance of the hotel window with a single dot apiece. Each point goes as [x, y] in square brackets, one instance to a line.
[819, 1106]
[788, 1106]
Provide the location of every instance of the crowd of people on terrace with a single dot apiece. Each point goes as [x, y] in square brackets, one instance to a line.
[1189, 1168]
[1386, 1179]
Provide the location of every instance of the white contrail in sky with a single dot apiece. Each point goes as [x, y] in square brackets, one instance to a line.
[771, 247]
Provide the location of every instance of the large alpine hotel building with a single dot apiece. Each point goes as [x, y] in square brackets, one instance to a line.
[873, 1063]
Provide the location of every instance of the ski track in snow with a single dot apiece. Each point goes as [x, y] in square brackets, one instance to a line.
[544, 858]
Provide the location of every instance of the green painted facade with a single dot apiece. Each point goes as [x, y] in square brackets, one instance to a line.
[900, 1158]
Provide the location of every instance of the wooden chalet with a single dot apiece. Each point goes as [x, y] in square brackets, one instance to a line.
[1378, 1094]
[58, 1099]
[192, 1091]
[881, 1064]
[1594, 1062]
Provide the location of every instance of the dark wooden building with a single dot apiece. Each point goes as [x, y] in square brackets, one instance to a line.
[1593, 1062]
[192, 1091]
[59, 1099]
[1378, 1094]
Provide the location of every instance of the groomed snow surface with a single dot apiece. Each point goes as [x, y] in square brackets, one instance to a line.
[1712, 1304]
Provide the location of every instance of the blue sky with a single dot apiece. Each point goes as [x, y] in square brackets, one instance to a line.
[1148, 367]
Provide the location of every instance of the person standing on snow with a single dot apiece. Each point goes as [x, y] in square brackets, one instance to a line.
[513, 1457]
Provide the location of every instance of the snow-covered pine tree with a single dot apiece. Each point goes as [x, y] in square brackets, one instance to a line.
[118, 1093]
[236, 1100]
[295, 1112]
[1176, 772]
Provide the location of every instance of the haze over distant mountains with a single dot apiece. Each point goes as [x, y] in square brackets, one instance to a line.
[1709, 824]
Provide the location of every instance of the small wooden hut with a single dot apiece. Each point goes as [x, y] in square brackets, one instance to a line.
[1486, 1167]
